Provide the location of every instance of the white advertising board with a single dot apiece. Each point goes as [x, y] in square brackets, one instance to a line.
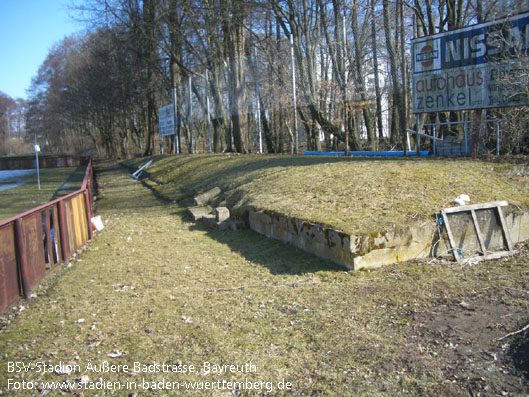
[481, 66]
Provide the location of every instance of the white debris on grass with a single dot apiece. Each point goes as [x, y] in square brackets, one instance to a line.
[462, 199]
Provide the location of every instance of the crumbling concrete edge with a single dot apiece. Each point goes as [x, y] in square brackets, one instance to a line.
[364, 250]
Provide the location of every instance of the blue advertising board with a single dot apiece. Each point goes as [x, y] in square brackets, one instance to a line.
[480, 66]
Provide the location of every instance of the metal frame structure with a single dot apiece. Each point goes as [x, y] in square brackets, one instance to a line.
[484, 253]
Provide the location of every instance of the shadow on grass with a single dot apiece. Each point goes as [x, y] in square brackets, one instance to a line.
[278, 257]
[72, 183]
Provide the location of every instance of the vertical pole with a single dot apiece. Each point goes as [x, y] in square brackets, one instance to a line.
[37, 161]
[190, 121]
[88, 210]
[210, 148]
[48, 254]
[175, 121]
[466, 138]
[294, 102]
[418, 121]
[434, 133]
[497, 138]
[475, 131]
[88, 201]
[418, 117]
[344, 55]
[22, 258]
[56, 237]
[65, 244]
[258, 100]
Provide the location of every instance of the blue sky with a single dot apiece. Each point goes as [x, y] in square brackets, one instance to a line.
[28, 29]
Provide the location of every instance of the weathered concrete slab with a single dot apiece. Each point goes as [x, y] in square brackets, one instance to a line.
[200, 212]
[374, 249]
[308, 236]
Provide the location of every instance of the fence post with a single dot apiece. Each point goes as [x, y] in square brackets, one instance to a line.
[466, 138]
[22, 259]
[498, 138]
[88, 210]
[434, 133]
[57, 237]
[65, 245]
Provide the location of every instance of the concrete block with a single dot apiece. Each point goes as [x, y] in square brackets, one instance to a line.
[222, 214]
[200, 212]
[207, 197]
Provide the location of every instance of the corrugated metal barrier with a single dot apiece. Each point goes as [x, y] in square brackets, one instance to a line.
[45, 161]
[35, 242]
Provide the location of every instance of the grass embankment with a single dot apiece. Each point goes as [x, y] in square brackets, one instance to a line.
[153, 287]
[54, 183]
[359, 195]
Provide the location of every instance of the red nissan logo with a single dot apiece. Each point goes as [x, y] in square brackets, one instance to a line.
[429, 62]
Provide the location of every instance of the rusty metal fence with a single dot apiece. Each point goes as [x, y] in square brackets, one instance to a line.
[45, 161]
[33, 243]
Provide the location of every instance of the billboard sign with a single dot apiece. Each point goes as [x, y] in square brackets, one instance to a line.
[477, 67]
[166, 120]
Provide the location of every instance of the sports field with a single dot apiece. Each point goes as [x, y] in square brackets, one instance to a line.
[19, 190]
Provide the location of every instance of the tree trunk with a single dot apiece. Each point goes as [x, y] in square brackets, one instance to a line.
[359, 74]
[378, 93]
[150, 59]
[235, 42]
[397, 86]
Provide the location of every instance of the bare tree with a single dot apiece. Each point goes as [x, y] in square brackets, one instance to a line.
[398, 94]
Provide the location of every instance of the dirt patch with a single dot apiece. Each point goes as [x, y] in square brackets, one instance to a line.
[462, 340]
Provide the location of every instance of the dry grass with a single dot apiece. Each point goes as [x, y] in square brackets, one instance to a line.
[358, 195]
[27, 196]
[153, 287]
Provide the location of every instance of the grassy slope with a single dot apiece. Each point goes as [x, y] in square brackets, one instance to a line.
[350, 194]
[25, 197]
[154, 287]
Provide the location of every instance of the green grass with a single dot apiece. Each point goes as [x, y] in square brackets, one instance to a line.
[154, 287]
[27, 196]
[353, 194]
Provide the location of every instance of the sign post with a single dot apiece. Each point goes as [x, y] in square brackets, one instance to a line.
[37, 150]
[175, 121]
